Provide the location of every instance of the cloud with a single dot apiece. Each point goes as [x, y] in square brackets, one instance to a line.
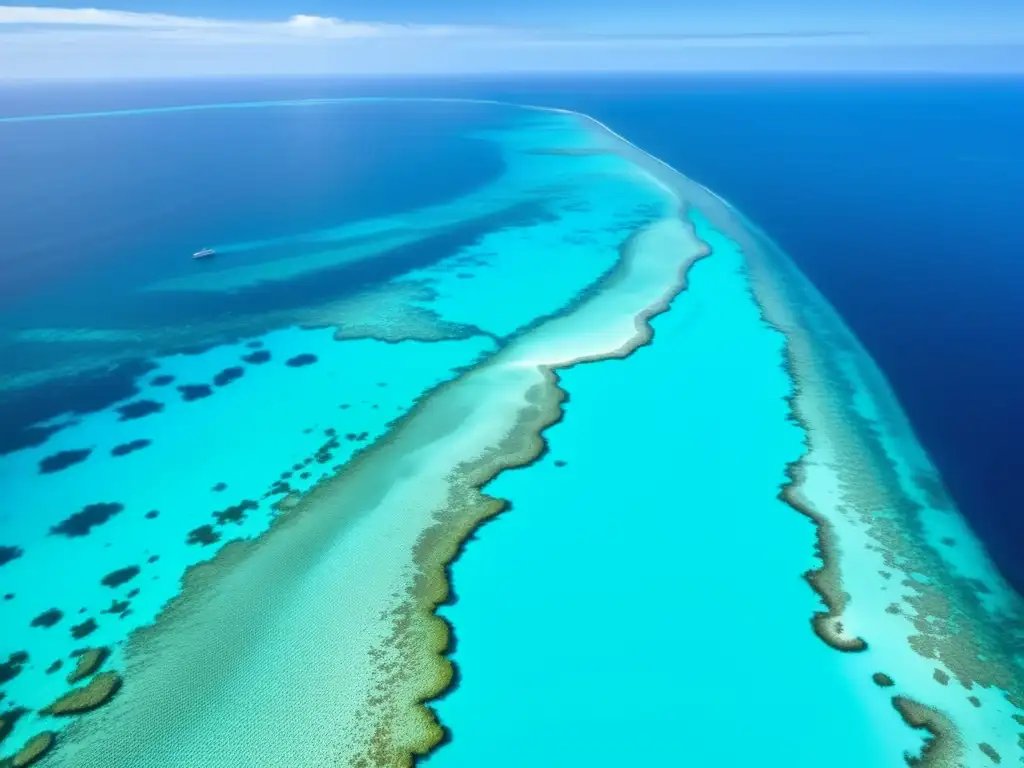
[28, 15]
[82, 23]
[40, 42]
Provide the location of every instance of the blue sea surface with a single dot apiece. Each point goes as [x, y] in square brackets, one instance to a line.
[204, 439]
[157, 409]
[898, 198]
[896, 195]
[111, 202]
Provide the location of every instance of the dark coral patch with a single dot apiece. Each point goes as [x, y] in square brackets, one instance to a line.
[559, 463]
[11, 668]
[990, 753]
[87, 698]
[125, 448]
[117, 607]
[300, 360]
[235, 513]
[80, 523]
[190, 392]
[47, 619]
[35, 749]
[257, 358]
[55, 666]
[323, 453]
[64, 396]
[7, 721]
[280, 486]
[63, 460]
[121, 576]
[153, 514]
[882, 680]
[153, 558]
[84, 629]
[220, 487]
[89, 661]
[254, 344]
[139, 409]
[228, 375]
[9, 596]
[10, 553]
[204, 535]
[162, 381]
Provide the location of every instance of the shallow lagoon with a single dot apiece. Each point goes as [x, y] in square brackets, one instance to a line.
[660, 611]
[335, 406]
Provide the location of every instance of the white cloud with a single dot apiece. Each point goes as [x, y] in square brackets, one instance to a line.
[91, 42]
[92, 17]
[92, 21]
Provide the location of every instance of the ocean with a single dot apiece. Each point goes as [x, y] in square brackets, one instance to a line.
[895, 195]
[510, 367]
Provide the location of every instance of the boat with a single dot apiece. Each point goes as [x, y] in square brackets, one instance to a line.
[203, 253]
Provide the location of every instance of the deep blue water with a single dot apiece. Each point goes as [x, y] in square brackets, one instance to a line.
[92, 210]
[899, 198]
[110, 200]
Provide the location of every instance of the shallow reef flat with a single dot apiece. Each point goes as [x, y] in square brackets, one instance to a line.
[214, 447]
[213, 450]
[377, 536]
[903, 581]
[616, 420]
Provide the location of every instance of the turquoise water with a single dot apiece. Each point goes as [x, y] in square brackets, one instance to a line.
[251, 493]
[217, 425]
[276, 430]
[643, 602]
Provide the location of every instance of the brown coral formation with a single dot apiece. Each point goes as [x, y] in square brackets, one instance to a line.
[88, 662]
[33, 751]
[98, 692]
[944, 748]
[882, 680]
[948, 615]
[825, 580]
[990, 753]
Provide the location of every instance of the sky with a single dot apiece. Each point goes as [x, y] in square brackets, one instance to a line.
[185, 38]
